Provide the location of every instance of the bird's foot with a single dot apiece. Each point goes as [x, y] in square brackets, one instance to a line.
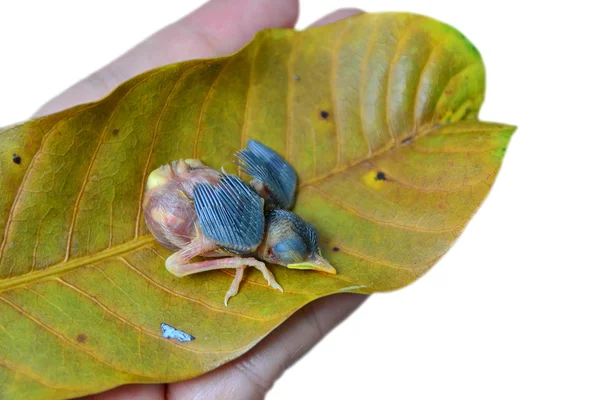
[235, 284]
[269, 277]
[239, 275]
[177, 264]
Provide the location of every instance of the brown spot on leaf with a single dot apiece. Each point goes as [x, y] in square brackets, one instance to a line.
[115, 132]
[336, 249]
[408, 140]
[324, 114]
[16, 159]
[81, 338]
[380, 176]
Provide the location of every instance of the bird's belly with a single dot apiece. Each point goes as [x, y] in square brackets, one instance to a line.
[168, 206]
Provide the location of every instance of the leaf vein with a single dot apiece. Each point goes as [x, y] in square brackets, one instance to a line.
[351, 210]
[152, 145]
[333, 88]
[391, 68]
[91, 164]
[249, 92]
[208, 93]
[34, 378]
[373, 260]
[420, 83]
[363, 82]
[288, 101]
[124, 320]
[64, 339]
[176, 294]
[21, 187]
[466, 67]
[73, 263]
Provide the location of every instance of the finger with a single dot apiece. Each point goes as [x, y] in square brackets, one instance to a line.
[132, 392]
[218, 28]
[253, 374]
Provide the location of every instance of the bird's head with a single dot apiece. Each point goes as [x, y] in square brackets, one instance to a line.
[291, 242]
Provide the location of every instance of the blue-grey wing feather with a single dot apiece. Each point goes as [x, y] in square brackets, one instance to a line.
[230, 214]
[272, 170]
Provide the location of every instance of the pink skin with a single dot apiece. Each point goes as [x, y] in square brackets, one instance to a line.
[219, 28]
[178, 264]
[170, 216]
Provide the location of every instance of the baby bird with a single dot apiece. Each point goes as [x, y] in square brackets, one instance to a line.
[199, 211]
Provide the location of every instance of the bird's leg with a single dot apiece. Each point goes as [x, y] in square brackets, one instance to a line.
[178, 264]
[240, 265]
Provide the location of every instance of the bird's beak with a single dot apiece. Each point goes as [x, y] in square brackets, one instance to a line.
[317, 263]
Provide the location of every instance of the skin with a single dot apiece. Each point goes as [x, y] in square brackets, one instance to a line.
[218, 28]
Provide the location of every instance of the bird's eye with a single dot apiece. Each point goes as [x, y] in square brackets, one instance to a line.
[290, 251]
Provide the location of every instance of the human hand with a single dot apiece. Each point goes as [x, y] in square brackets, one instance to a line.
[219, 28]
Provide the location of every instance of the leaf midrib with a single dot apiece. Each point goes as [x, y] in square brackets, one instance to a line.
[61, 268]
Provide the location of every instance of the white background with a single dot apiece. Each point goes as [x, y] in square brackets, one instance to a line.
[512, 311]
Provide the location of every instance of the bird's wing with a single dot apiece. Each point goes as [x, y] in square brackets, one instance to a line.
[230, 214]
[268, 167]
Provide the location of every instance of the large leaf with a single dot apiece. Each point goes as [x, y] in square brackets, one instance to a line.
[377, 113]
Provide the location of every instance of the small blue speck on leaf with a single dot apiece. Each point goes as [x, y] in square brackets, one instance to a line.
[169, 332]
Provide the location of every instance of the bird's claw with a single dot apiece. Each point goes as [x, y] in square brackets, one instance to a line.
[239, 275]
[235, 284]
[275, 285]
[269, 277]
[278, 287]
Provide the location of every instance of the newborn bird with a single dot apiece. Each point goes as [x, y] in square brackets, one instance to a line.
[198, 211]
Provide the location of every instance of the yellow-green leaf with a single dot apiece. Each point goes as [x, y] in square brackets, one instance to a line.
[377, 113]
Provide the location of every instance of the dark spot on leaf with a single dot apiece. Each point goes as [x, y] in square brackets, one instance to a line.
[408, 140]
[380, 176]
[324, 114]
[336, 249]
[297, 78]
[448, 92]
[16, 159]
[81, 338]
[115, 132]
